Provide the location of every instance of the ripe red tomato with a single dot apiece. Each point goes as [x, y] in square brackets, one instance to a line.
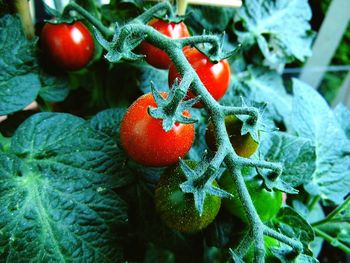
[69, 46]
[144, 139]
[215, 77]
[155, 56]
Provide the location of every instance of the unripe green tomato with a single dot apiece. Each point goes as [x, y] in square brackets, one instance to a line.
[244, 145]
[177, 209]
[267, 203]
[269, 242]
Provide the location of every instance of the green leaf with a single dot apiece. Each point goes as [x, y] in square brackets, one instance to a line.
[57, 204]
[53, 88]
[209, 18]
[313, 119]
[293, 225]
[19, 86]
[342, 114]
[108, 121]
[145, 75]
[262, 85]
[295, 153]
[280, 28]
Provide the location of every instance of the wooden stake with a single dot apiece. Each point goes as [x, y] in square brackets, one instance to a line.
[22, 8]
[223, 3]
[181, 7]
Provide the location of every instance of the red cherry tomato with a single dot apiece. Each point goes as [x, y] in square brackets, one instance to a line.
[69, 46]
[155, 56]
[215, 77]
[144, 139]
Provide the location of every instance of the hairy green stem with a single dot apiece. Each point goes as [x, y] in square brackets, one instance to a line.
[191, 41]
[334, 242]
[333, 213]
[72, 6]
[149, 14]
[314, 200]
[180, 94]
[296, 245]
[251, 111]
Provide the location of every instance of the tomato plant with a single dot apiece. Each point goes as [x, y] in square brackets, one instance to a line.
[155, 56]
[144, 139]
[244, 145]
[214, 76]
[69, 46]
[130, 178]
[267, 203]
[177, 209]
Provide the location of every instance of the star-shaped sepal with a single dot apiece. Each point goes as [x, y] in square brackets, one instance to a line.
[172, 108]
[217, 53]
[199, 182]
[120, 48]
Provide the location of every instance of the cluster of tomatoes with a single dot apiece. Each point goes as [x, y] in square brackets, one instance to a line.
[71, 47]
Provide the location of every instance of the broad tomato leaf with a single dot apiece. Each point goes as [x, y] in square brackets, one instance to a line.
[53, 88]
[20, 79]
[293, 225]
[342, 115]
[57, 202]
[145, 75]
[313, 119]
[19, 86]
[280, 28]
[295, 153]
[262, 85]
[209, 18]
[108, 121]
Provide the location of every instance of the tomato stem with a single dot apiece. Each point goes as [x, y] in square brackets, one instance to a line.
[72, 6]
[333, 241]
[149, 14]
[296, 245]
[334, 213]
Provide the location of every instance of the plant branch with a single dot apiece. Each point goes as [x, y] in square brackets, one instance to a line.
[213, 40]
[149, 14]
[333, 241]
[72, 6]
[296, 245]
[331, 215]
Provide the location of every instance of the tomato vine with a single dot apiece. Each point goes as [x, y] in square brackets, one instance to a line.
[125, 39]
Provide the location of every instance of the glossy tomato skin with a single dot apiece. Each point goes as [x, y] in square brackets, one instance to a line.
[244, 145]
[144, 139]
[177, 209]
[155, 56]
[69, 46]
[215, 77]
[267, 203]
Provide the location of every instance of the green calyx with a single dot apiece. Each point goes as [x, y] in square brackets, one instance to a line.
[177, 209]
[172, 108]
[199, 182]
